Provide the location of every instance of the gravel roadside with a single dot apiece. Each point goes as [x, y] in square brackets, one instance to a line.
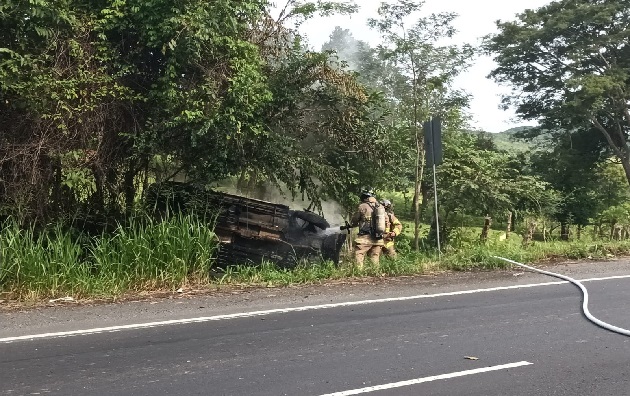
[62, 316]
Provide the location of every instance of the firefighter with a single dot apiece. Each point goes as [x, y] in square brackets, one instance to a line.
[393, 227]
[365, 243]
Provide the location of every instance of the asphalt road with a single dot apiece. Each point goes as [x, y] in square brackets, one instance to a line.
[457, 334]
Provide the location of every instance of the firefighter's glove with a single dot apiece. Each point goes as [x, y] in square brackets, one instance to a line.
[347, 226]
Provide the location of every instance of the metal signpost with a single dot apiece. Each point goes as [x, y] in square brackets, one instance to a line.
[433, 150]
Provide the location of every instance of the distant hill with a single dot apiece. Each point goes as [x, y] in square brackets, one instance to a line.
[515, 130]
[507, 141]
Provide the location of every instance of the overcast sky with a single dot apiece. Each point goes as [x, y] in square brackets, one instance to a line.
[476, 19]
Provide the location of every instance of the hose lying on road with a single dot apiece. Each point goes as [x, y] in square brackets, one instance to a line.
[584, 292]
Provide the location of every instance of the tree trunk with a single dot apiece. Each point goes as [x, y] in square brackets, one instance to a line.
[419, 140]
[97, 199]
[486, 227]
[426, 195]
[508, 229]
[625, 162]
[617, 232]
[406, 200]
[529, 234]
[129, 188]
[579, 232]
[251, 185]
[416, 206]
[240, 184]
[564, 231]
[418, 182]
[145, 179]
[412, 207]
[620, 149]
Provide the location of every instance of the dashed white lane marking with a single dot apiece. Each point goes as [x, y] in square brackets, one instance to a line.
[428, 379]
[280, 310]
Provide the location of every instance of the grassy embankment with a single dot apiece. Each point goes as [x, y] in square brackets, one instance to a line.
[148, 255]
[143, 255]
[471, 254]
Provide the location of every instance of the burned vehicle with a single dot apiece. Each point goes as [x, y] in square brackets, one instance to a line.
[251, 231]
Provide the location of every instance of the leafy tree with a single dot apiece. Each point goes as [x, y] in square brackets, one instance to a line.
[98, 98]
[569, 63]
[570, 168]
[428, 69]
[92, 91]
[321, 128]
[321, 121]
[618, 218]
[476, 179]
[58, 104]
[391, 138]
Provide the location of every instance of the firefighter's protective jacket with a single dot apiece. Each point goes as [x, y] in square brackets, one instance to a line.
[393, 225]
[362, 219]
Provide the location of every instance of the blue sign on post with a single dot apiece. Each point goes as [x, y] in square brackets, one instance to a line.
[433, 141]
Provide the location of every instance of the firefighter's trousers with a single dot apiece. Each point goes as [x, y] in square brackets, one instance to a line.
[389, 250]
[365, 244]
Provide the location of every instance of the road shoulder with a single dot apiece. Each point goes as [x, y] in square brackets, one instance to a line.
[64, 316]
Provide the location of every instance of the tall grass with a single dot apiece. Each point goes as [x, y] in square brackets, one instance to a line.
[33, 262]
[144, 254]
[164, 255]
[471, 255]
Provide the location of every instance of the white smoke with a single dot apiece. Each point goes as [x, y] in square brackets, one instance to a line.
[331, 210]
[346, 46]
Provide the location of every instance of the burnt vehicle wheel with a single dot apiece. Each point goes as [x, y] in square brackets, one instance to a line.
[312, 218]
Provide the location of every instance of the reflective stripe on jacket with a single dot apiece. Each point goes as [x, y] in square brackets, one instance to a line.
[392, 225]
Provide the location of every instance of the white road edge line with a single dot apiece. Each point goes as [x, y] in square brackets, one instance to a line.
[428, 379]
[111, 329]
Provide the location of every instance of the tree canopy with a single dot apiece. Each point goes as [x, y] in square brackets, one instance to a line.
[569, 65]
[99, 99]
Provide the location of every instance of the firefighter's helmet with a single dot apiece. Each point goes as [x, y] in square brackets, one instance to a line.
[367, 193]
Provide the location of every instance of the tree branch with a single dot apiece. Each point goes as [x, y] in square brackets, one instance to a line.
[609, 139]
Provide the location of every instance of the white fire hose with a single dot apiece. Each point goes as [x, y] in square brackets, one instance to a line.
[587, 313]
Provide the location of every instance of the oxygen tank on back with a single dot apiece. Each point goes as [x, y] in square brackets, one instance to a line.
[378, 221]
